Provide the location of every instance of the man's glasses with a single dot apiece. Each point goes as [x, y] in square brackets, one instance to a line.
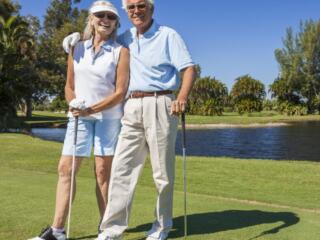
[110, 16]
[139, 6]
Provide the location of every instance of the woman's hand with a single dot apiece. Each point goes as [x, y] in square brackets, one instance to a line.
[77, 112]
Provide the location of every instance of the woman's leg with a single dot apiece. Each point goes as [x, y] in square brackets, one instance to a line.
[105, 140]
[63, 189]
[102, 173]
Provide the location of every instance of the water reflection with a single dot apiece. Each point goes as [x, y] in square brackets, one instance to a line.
[295, 142]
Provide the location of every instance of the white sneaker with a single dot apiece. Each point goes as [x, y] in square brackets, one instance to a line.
[102, 236]
[157, 236]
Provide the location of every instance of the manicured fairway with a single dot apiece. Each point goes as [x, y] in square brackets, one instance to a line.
[47, 119]
[227, 198]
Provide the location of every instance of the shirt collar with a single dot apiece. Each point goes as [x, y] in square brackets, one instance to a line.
[150, 32]
[106, 45]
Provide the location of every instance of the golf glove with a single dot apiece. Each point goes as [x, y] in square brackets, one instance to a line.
[70, 41]
[77, 103]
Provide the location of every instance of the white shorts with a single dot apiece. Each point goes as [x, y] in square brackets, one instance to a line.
[100, 133]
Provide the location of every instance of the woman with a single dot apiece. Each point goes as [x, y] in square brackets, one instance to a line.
[97, 77]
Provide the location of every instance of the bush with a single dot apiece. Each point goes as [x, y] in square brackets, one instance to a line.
[290, 109]
[58, 104]
[208, 97]
[269, 105]
[247, 95]
[248, 106]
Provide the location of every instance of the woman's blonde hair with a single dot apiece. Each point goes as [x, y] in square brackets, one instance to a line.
[89, 30]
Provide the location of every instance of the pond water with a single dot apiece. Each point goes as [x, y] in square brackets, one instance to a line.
[299, 141]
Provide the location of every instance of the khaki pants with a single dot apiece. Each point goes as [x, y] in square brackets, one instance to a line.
[147, 127]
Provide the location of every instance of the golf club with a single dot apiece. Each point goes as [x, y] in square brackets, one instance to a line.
[72, 172]
[183, 125]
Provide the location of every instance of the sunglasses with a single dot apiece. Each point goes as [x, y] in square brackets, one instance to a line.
[139, 6]
[110, 16]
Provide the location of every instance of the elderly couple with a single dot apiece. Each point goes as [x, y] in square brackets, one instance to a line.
[98, 74]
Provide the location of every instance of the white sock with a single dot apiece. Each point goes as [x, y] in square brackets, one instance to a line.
[57, 230]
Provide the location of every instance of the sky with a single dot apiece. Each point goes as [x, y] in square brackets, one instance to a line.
[228, 38]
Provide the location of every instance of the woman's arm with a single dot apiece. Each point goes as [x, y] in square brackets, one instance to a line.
[69, 87]
[122, 82]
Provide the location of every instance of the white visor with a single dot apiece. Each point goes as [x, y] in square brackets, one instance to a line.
[104, 8]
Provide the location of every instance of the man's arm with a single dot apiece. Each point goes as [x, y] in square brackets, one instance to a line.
[70, 41]
[188, 79]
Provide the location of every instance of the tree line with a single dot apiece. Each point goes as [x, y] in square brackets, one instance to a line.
[33, 68]
[32, 62]
[296, 90]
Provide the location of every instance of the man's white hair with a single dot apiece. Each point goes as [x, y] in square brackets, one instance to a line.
[124, 3]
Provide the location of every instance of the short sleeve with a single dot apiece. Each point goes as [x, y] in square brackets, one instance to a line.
[178, 52]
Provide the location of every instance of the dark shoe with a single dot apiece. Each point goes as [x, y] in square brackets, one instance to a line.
[47, 234]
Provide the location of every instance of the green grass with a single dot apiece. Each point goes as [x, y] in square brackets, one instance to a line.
[43, 119]
[51, 119]
[260, 118]
[227, 198]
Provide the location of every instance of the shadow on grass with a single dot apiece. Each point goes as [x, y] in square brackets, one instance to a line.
[84, 237]
[206, 223]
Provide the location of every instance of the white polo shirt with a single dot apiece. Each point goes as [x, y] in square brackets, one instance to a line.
[94, 75]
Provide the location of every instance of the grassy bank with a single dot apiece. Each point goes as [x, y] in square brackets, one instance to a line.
[227, 198]
[50, 119]
[44, 119]
[253, 118]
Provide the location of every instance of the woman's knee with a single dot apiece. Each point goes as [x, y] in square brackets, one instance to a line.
[102, 173]
[64, 170]
[103, 168]
[65, 166]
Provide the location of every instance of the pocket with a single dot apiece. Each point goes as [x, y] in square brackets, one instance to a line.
[131, 112]
[168, 102]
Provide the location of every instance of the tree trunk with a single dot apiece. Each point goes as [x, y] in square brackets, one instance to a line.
[28, 109]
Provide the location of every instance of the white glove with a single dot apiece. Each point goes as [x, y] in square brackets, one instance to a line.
[77, 103]
[70, 41]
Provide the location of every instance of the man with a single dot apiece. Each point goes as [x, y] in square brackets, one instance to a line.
[157, 57]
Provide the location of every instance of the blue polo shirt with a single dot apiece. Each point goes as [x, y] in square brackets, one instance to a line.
[156, 58]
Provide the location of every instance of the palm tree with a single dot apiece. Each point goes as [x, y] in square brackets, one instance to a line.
[15, 49]
[247, 94]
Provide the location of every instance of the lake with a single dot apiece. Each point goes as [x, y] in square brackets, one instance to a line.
[298, 141]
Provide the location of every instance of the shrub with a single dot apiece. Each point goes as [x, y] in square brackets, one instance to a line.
[208, 97]
[290, 109]
[247, 95]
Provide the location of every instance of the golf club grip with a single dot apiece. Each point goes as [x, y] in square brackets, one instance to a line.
[183, 126]
[76, 120]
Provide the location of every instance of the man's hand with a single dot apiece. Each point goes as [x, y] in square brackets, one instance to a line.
[188, 78]
[70, 41]
[178, 106]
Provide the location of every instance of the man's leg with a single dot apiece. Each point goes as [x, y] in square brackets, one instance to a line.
[127, 164]
[161, 139]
